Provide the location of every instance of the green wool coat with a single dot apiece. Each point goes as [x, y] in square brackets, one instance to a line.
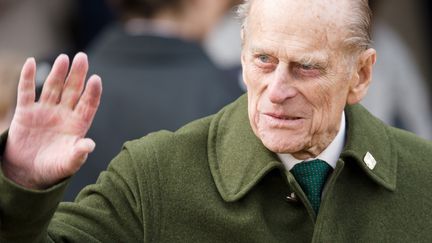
[214, 181]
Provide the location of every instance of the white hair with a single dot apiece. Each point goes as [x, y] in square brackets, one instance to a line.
[358, 23]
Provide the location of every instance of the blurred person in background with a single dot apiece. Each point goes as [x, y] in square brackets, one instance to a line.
[156, 74]
[10, 66]
[88, 20]
[398, 94]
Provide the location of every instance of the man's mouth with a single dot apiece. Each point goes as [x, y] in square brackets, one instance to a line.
[282, 117]
[282, 120]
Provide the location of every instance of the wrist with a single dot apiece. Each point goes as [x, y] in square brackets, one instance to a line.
[17, 176]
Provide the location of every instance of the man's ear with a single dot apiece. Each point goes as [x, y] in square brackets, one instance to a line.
[242, 38]
[243, 54]
[362, 77]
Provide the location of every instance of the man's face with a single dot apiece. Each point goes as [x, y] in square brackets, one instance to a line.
[297, 79]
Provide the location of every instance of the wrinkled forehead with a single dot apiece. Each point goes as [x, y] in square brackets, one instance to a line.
[321, 19]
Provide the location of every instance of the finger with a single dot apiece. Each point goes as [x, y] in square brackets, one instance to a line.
[75, 81]
[81, 149]
[26, 87]
[52, 88]
[90, 99]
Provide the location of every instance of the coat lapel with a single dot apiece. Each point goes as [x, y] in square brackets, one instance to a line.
[237, 158]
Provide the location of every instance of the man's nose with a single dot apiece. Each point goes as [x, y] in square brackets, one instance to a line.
[280, 87]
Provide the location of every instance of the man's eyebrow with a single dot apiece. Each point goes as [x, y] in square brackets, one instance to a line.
[261, 50]
[316, 60]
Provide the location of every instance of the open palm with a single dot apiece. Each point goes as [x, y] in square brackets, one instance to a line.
[46, 140]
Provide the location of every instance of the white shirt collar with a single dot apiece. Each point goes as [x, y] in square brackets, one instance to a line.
[329, 155]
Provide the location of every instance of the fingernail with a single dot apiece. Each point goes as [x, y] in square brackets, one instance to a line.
[30, 59]
[62, 55]
[81, 54]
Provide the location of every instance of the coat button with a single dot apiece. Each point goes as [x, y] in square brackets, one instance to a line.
[291, 197]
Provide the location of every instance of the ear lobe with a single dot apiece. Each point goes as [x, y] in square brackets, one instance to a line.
[362, 77]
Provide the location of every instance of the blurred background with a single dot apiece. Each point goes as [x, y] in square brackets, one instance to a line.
[402, 33]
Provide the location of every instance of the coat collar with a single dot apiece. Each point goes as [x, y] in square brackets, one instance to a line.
[368, 135]
[238, 160]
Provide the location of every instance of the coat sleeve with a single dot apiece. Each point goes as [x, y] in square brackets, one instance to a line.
[118, 208]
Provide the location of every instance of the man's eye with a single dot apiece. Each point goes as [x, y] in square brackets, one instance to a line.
[307, 67]
[307, 70]
[264, 61]
[264, 58]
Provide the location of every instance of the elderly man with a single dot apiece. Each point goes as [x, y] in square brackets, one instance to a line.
[308, 164]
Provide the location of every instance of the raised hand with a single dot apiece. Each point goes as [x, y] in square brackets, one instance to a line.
[46, 141]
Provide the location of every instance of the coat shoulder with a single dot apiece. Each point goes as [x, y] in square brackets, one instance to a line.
[166, 143]
[408, 144]
[414, 156]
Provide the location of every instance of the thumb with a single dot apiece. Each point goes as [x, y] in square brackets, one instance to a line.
[82, 148]
[85, 145]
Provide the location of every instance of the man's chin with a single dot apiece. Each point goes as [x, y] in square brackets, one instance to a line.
[281, 146]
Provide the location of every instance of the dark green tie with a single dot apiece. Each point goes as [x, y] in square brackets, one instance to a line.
[312, 175]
